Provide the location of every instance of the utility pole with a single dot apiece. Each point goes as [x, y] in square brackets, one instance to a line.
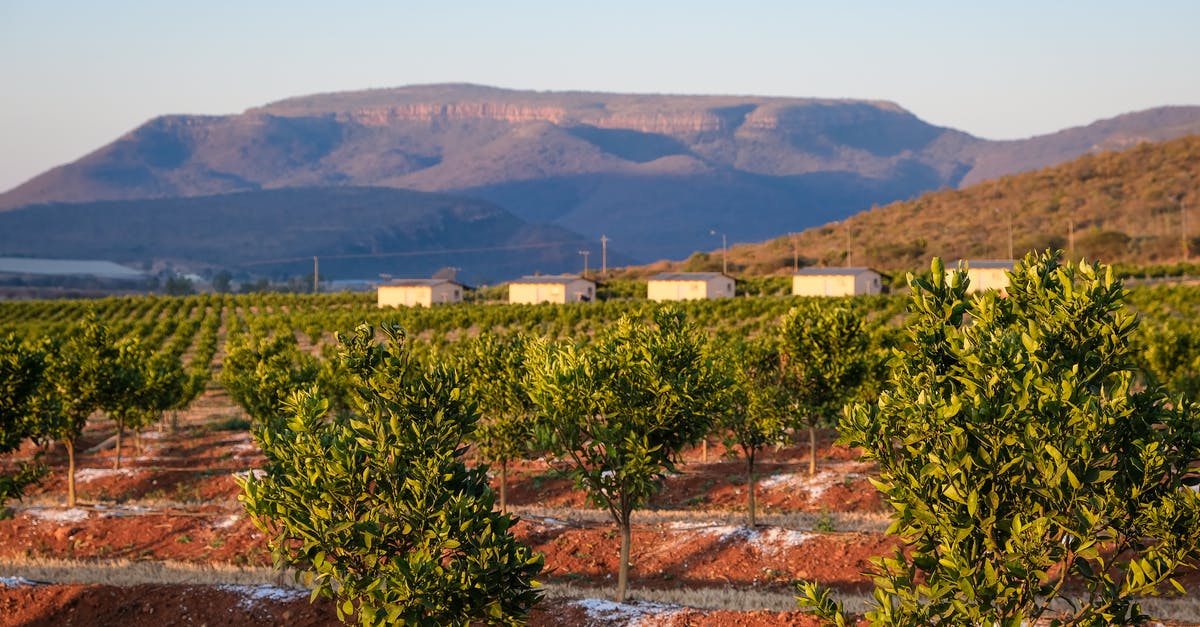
[849, 259]
[585, 254]
[1183, 232]
[604, 255]
[1071, 236]
[1010, 244]
[315, 284]
[724, 253]
[795, 254]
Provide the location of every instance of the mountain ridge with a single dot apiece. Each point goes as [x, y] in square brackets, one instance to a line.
[657, 174]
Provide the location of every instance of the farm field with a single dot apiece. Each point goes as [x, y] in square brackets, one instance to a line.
[164, 540]
[175, 506]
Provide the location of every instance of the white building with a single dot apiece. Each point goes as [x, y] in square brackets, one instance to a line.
[558, 289]
[836, 282]
[424, 292]
[986, 274]
[689, 286]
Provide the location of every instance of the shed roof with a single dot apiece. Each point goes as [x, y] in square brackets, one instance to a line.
[832, 271]
[549, 279]
[68, 267]
[420, 283]
[685, 276]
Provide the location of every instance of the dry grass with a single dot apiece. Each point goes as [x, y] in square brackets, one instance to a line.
[132, 573]
[856, 522]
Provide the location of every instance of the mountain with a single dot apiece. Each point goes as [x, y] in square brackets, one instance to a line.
[1140, 205]
[356, 232]
[660, 175]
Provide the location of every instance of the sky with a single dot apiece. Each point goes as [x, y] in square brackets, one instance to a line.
[75, 75]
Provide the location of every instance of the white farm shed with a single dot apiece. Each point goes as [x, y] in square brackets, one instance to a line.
[423, 292]
[558, 289]
[689, 286]
[987, 274]
[836, 282]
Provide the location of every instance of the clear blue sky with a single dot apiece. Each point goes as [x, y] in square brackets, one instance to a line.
[75, 75]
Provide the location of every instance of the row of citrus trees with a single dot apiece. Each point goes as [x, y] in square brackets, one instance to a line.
[50, 386]
[1014, 440]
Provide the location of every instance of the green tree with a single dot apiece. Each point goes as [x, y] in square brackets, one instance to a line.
[758, 405]
[377, 505]
[152, 384]
[21, 373]
[1019, 455]
[1172, 358]
[496, 369]
[623, 408]
[83, 375]
[260, 374]
[827, 355]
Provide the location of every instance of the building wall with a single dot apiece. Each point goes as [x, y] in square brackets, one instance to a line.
[987, 279]
[405, 296]
[558, 293]
[446, 293]
[717, 287]
[868, 283]
[836, 284]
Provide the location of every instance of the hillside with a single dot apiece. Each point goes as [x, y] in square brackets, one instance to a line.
[356, 232]
[1130, 206]
[657, 174]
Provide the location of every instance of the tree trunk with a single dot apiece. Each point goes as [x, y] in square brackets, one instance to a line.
[70, 472]
[623, 569]
[704, 450]
[117, 460]
[137, 440]
[812, 449]
[750, 485]
[504, 486]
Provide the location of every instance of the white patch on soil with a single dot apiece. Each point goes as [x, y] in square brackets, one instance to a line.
[84, 475]
[73, 515]
[227, 522]
[121, 511]
[16, 582]
[775, 538]
[628, 614]
[252, 595]
[815, 484]
[244, 448]
[769, 540]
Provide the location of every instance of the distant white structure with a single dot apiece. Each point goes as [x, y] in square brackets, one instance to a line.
[551, 288]
[986, 274]
[689, 286]
[419, 292]
[836, 282]
[68, 267]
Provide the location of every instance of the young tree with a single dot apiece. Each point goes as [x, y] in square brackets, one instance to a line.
[260, 375]
[623, 409]
[21, 372]
[1019, 455]
[827, 355]
[755, 417]
[496, 369]
[377, 505]
[82, 376]
[124, 403]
